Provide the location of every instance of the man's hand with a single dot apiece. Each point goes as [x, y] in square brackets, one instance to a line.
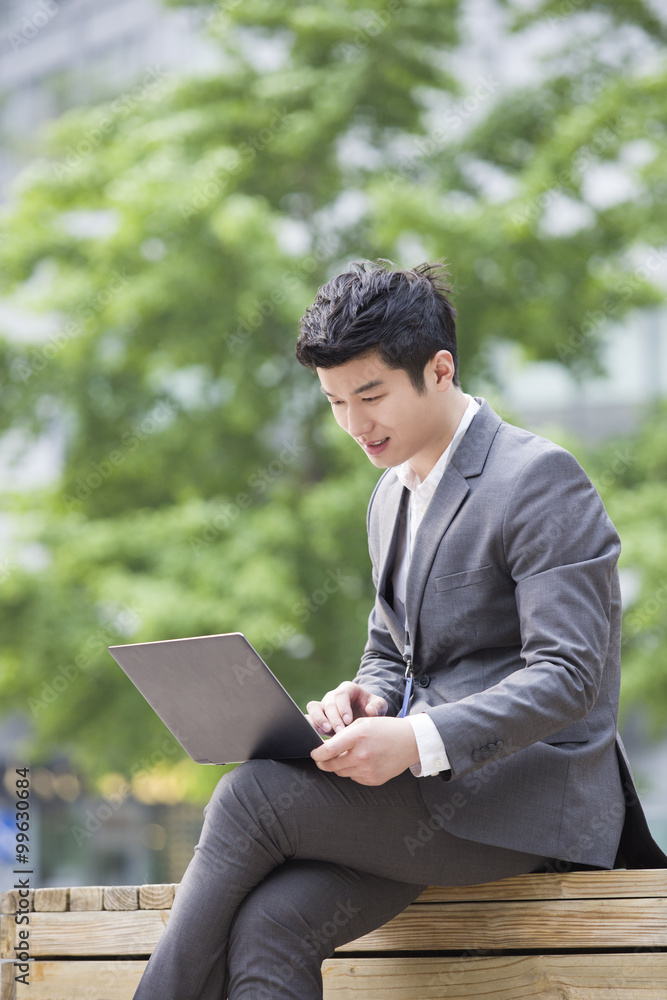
[340, 707]
[370, 751]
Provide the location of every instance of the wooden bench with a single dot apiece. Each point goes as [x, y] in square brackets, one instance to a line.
[581, 936]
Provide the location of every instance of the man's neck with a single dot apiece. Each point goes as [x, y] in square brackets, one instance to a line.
[452, 419]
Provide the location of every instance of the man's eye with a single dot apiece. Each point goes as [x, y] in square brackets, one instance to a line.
[370, 399]
[336, 402]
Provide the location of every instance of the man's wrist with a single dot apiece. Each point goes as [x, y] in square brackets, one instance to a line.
[412, 747]
[432, 754]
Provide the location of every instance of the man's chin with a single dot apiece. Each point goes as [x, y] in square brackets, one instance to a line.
[384, 461]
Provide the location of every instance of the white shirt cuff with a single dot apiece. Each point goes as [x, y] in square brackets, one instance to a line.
[432, 754]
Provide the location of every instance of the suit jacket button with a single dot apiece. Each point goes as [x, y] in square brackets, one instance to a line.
[484, 751]
[423, 680]
[491, 748]
[477, 755]
[499, 745]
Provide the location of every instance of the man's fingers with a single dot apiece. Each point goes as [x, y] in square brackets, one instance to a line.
[338, 766]
[318, 717]
[333, 713]
[336, 705]
[334, 747]
[331, 763]
[343, 707]
[376, 706]
[340, 707]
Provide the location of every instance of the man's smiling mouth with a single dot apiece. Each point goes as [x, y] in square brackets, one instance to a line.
[373, 447]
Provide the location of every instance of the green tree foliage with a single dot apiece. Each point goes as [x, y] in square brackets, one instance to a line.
[165, 247]
[631, 474]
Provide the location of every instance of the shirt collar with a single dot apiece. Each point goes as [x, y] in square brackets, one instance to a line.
[409, 478]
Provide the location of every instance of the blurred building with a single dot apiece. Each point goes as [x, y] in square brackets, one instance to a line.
[631, 382]
[58, 54]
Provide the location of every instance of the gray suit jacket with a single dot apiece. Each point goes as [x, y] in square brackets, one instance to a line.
[514, 613]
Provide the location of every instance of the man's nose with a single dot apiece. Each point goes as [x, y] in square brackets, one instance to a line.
[359, 424]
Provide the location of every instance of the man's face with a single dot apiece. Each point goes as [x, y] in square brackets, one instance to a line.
[381, 409]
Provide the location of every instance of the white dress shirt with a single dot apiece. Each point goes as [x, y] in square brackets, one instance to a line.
[432, 754]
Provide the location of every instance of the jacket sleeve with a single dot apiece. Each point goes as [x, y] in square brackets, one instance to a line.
[561, 550]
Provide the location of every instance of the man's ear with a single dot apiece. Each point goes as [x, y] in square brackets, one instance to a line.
[442, 368]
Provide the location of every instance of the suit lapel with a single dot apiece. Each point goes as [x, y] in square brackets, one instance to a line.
[394, 513]
[448, 497]
[466, 462]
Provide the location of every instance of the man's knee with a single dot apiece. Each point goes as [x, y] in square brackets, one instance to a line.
[266, 789]
[280, 910]
[268, 777]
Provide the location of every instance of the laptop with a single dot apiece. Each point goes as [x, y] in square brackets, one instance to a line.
[218, 698]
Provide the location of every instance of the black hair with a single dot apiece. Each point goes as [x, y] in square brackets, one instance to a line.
[404, 315]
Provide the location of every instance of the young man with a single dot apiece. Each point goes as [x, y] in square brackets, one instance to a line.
[478, 739]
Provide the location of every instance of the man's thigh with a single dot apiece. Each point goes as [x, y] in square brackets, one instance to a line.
[304, 813]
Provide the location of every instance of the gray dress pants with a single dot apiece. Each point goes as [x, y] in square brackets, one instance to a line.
[293, 862]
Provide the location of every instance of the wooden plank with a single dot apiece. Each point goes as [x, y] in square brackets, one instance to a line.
[576, 885]
[108, 932]
[538, 924]
[86, 897]
[121, 897]
[7, 935]
[7, 982]
[156, 897]
[102, 980]
[7, 972]
[502, 977]
[51, 900]
[10, 901]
